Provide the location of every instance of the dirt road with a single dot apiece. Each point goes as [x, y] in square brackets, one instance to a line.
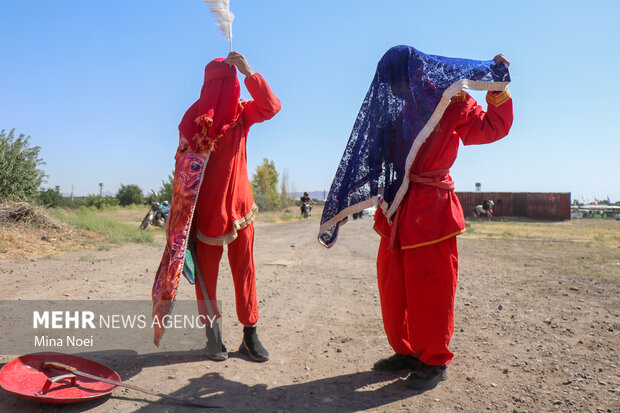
[537, 327]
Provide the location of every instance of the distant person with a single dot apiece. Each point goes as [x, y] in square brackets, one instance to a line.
[485, 209]
[212, 153]
[305, 198]
[405, 139]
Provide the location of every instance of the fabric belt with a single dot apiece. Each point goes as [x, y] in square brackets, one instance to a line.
[439, 178]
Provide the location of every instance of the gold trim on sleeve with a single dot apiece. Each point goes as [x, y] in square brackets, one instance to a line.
[498, 99]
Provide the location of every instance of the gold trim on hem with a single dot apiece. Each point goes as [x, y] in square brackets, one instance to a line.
[379, 232]
[408, 247]
[232, 235]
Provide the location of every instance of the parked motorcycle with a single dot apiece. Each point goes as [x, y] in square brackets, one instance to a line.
[157, 215]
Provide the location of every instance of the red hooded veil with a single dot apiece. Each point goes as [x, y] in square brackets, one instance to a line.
[216, 110]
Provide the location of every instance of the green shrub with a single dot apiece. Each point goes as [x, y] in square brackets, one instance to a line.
[165, 192]
[129, 194]
[20, 176]
[51, 198]
[101, 202]
[93, 220]
[261, 202]
[264, 186]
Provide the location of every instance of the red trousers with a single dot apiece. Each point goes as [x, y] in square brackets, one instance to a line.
[417, 288]
[241, 259]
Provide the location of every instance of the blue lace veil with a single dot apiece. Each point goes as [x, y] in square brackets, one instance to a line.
[407, 97]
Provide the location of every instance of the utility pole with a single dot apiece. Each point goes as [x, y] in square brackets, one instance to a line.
[71, 192]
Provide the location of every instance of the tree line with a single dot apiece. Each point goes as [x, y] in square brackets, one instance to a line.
[22, 177]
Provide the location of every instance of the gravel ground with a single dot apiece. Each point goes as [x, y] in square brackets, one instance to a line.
[537, 327]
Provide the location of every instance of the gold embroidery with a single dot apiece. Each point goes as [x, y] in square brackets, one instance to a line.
[498, 99]
[459, 97]
[205, 143]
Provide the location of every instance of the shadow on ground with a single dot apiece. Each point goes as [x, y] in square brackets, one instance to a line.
[345, 393]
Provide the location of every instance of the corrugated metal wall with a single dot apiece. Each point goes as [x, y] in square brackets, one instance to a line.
[537, 205]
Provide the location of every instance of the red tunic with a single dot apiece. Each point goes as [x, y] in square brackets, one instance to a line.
[225, 203]
[430, 214]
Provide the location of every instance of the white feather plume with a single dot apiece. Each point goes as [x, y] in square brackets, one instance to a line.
[223, 17]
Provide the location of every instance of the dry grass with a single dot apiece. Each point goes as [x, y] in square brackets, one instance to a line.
[582, 248]
[130, 215]
[604, 232]
[29, 231]
[24, 213]
[25, 240]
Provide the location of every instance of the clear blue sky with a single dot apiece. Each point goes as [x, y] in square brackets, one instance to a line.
[101, 86]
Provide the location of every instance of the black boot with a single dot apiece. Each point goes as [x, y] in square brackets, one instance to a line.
[216, 350]
[398, 362]
[252, 346]
[426, 377]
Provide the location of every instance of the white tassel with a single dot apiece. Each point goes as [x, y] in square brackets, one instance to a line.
[223, 17]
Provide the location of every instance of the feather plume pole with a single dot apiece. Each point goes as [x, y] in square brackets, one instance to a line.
[223, 17]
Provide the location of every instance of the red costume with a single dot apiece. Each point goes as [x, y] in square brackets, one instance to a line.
[219, 123]
[417, 262]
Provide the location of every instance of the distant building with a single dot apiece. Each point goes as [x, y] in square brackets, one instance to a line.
[535, 205]
[595, 211]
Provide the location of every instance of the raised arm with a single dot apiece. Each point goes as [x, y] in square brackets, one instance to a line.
[265, 104]
[479, 127]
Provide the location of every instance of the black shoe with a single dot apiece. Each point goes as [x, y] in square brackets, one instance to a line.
[398, 362]
[426, 377]
[251, 345]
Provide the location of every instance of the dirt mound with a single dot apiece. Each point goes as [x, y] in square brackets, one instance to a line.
[29, 231]
[24, 213]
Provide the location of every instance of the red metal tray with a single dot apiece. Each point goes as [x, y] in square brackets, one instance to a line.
[25, 377]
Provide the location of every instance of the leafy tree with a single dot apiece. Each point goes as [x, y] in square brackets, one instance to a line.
[20, 176]
[283, 194]
[264, 185]
[51, 197]
[129, 194]
[151, 197]
[287, 189]
[165, 192]
[261, 201]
